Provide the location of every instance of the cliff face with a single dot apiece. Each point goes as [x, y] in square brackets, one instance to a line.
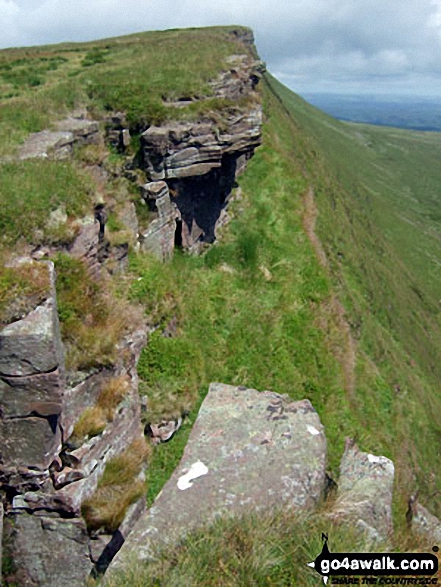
[45, 477]
[199, 160]
[59, 431]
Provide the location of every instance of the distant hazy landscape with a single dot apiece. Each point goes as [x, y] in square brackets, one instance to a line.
[413, 112]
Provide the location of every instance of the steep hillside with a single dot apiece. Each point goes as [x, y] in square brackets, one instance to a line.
[309, 266]
[376, 191]
[351, 319]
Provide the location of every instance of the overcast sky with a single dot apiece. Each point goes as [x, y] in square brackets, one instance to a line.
[345, 46]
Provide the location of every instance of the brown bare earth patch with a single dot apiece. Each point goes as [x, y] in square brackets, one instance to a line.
[333, 309]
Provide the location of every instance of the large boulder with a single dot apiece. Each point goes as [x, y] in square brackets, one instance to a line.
[247, 450]
[365, 491]
[49, 551]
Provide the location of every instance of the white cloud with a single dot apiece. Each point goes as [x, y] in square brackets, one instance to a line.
[313, 41]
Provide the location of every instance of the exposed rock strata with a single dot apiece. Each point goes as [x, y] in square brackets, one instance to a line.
[189, 149]
[44, 478]
[200, 160]
[31, 387]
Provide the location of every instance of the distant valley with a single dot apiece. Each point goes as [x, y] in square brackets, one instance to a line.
[412, 112]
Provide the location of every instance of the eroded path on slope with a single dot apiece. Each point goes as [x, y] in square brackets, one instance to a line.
[346, 354]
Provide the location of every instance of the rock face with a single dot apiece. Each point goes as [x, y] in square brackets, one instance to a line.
[159, 238]
[44, 477]
[59, 144]
[190, 149]
[31, 387]
[248, 449]
[365, 492]
[45, 547]
[200, 160]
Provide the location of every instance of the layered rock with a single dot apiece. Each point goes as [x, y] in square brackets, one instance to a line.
[184, 149]
[44, 477]
[31, 387]
[159, 238]
[247, 450]
[200, 160]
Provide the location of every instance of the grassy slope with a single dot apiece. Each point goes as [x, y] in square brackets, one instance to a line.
[134, 74]
[369, 183]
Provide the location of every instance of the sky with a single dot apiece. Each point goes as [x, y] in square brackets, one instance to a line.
[338, 46]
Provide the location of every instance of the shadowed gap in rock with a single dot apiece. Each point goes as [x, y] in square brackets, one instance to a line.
[200, 200]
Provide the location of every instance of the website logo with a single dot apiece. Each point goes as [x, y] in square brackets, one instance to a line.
[329, 564]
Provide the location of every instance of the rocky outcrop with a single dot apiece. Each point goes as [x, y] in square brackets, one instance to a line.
[31, 387]
[200, 160]
[59, 144]
[159, 238]
[365, 491]
[247, 449]
[184, 149]
[45, 476]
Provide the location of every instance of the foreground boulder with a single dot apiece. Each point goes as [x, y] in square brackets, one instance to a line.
[247, 449]
[365, 493]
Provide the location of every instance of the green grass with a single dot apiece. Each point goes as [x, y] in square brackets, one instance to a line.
[369, 182]
[31, 190]
[22, 288]
[271, 549]
[92, 319]
[133, 74]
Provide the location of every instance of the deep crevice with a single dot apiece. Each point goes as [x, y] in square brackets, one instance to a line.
[200, 201]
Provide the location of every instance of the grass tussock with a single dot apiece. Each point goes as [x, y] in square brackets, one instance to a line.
[118, 488]
[22, 288]
[268, 549]
[95, 419]
[93, 318]
[31, 190]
